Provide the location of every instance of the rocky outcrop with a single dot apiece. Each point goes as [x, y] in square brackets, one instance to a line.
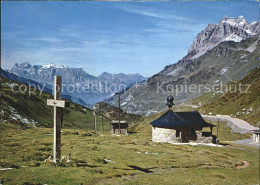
[228, 29]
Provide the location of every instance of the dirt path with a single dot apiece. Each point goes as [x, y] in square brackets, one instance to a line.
[247, 142]
[237, 125]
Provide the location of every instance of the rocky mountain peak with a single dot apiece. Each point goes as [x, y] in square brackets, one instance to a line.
[228, 29]
[45, 73]
[234, 20]
[53, 66]
[25, 65]
[105, 74]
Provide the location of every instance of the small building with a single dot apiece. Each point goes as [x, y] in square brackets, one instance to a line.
[181, 127]
[115, 127]
[256, 136]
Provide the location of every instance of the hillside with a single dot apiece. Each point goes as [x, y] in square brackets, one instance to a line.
[24, 109]
[45, 87]
[31, 108]
[112, 113]
[243, 104]
[227, 61]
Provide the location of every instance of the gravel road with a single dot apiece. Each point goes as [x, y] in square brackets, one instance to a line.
[237, 125]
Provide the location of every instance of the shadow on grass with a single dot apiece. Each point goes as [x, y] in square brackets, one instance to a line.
[223, 144]
[145, 170]
[86, 165]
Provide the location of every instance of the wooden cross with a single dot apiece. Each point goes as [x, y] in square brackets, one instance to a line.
[58, 104]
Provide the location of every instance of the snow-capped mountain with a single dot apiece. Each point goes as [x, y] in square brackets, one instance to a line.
[222, 52]
[45, 74]
[53, 66]
[77, 79]
[228, 29]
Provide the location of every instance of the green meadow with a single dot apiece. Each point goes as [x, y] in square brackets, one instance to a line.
[103, 158]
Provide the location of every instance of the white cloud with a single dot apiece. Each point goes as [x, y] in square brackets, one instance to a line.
[152, 13]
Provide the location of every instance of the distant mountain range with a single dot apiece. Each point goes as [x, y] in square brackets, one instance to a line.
[77, 82]
[45, 74]
[219, 54]
[46, 88]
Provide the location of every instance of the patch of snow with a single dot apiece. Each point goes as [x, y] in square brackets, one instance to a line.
[229, 22]
[223, 71]
[252, 47]
[122, 104]
[53, 65]
[234, 38]
[129, 98]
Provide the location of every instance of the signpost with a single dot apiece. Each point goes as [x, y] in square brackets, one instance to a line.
[57, 104]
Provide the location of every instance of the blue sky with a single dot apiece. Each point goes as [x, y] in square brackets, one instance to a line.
[128, 37]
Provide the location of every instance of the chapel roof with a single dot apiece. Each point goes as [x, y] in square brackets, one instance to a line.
[179, 119]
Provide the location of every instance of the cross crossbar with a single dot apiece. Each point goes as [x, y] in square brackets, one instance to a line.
[57, 103]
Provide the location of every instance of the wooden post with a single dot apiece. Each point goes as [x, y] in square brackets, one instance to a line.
[95, 120]
[58, 104]
[58, 117]
[217, 127]
[102, 116]
[119, 112]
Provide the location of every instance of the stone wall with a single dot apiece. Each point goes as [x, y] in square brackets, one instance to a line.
[169, 135]
[203, 139]
[163, 135]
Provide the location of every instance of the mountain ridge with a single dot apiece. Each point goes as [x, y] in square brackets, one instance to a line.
[227, 61]
[228, 29]
[96, 88]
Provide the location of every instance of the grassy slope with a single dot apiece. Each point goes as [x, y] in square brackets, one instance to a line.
[164, 163]
[232, 103]
[34, 107]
